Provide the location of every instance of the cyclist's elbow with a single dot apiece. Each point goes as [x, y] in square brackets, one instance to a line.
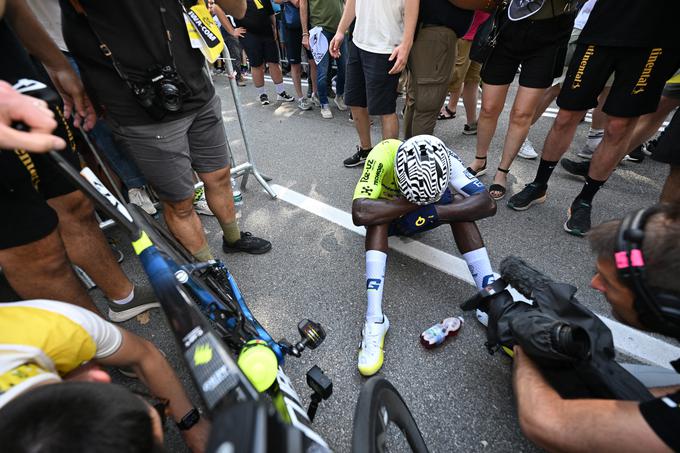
[487, 205]
[361, 216]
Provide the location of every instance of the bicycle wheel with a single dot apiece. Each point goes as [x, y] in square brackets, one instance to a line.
[379, 407]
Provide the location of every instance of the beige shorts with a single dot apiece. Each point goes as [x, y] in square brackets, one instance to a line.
[465, 70]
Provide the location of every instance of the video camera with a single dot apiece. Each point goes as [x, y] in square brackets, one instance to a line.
[570, 344]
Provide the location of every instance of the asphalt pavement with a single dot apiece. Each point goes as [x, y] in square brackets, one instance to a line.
[460, 395]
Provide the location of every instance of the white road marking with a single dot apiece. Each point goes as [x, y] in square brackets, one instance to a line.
[627, 340]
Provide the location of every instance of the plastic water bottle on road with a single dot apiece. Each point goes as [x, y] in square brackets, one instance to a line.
[238, 198]
[435, 335]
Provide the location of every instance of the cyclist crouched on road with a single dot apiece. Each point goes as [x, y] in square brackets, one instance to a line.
[403, 190]
[557, 424]
[43, 342]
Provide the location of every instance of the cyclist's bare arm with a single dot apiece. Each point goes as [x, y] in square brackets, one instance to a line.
[366, 211]
[155, 371]
[469, 209]
[556, 424]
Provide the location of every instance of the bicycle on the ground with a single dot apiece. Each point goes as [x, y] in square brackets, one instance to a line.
[212, 324]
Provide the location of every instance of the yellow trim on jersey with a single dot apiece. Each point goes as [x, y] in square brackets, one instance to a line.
[64, 341]
[18, 375]
[142, 243]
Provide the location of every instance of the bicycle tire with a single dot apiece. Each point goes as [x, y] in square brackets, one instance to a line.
[378, 398]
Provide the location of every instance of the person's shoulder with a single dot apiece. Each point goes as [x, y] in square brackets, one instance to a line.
[386, 149]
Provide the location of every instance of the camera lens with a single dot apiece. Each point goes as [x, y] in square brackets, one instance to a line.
[171, 97]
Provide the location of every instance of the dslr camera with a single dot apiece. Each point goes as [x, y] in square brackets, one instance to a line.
[163, 91]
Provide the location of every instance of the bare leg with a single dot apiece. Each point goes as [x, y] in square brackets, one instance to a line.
[493, 101]
[258, 75]
[651, 122]
[470, 102]
[312, 76]
[612, 148]
[218, 194]
[275, 72]
[296, 73]
[390, 126]
[362, 123]
[184, 223]
[599, 117]
[467, 236]
[561, 134]
[87, 246]
[549, 95]
[376, 237]
[453, 101]
[671, 189]
[41, 270]
[521, 115]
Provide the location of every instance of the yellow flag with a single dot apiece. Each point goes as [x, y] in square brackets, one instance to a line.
[204, 25]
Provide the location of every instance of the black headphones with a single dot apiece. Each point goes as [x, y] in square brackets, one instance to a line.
[657, 309]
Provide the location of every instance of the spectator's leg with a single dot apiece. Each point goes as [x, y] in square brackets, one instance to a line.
[561, 134]
[549, 95]
[258, 77]
[313, 77]
[275, 72]
[184, 223]
[671, 188]
[87, 246]
[296, 74]
[650, 123]
[493, 101]
[218, 194]
[614, 146]
[362, 122]
[470, 91]
[41, 270]
[390, 125]
[321, 73]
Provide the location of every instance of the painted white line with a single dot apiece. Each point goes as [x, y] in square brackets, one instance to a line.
[627, 340]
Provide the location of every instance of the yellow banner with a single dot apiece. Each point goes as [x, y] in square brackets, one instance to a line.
[203, 24]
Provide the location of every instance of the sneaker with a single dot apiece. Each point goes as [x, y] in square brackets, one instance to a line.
[437, 334]
[576, 168]
[139, 197]
[248, 244]
[482, 317]
[240, 81]
[315, 100]
[650, 146]
[371, 352]
[578, 220]
[637, 155]
[284, 97]
[527, 150]
[143, 300]
[326, 111]
[470, 129]
[264, 99]
[340, 103]
[304, 103]
[531, 194]
[200, 203]
[586, 152]
[357, 158]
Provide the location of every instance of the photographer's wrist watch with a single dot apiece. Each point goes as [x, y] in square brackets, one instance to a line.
[189, 420]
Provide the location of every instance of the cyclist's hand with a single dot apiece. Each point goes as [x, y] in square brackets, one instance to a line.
[197, 437]
[334, 46]
[72, 91]
[16, 107]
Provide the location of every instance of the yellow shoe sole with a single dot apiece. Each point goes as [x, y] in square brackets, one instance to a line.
[368, 371]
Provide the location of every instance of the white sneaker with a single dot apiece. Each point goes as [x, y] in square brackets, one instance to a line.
[326, 112]
[315, 100]
[482, 317]
[340, 102]
[527, 150]
[200, 203]
[284, 97]
[139, 197]
[304, 104]
[372, 343]
[587, 152]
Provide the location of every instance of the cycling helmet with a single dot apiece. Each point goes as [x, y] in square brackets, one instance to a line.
[422, 166]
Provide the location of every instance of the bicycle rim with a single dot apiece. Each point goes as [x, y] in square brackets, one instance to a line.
[383, 421]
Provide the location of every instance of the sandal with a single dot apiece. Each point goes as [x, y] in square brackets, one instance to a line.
[449, 115]
[481, 171]
[499, 187]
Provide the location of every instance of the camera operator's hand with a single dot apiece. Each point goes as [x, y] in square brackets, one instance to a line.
[16, 107]
[72, 91]
[196, 438]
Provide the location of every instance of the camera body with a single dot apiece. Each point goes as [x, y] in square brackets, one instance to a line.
[162, 91]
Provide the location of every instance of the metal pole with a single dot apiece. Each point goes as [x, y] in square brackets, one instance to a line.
[251, 168]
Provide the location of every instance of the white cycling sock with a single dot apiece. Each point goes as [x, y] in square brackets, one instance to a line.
[480, 267]
[260, 90]
[126, 300]
[375, 280]
[279, 88]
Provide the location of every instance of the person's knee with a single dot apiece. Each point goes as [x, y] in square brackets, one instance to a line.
[566, 119]
[617, 128]
[521, 117]
[490, 110]
[74, 207]
[180, 210]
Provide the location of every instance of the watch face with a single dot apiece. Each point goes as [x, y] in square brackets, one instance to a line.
[189, 420]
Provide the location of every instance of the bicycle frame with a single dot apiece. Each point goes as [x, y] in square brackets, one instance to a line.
[214, 371]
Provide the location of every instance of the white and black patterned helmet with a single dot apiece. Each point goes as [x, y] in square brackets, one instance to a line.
[422, 166]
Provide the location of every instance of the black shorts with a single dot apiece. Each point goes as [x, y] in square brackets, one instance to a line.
[540, 46]
[26, 182]
[368, 83]
[260, 49]
[639, 78]
[668, 148]
[294, 46]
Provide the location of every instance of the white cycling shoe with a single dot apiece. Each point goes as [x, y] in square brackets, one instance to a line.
[372, 343]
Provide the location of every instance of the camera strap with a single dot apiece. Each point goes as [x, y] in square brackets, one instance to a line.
[106, 50]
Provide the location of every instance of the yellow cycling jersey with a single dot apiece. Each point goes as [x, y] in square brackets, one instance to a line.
[41, 340]
[379, 180]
